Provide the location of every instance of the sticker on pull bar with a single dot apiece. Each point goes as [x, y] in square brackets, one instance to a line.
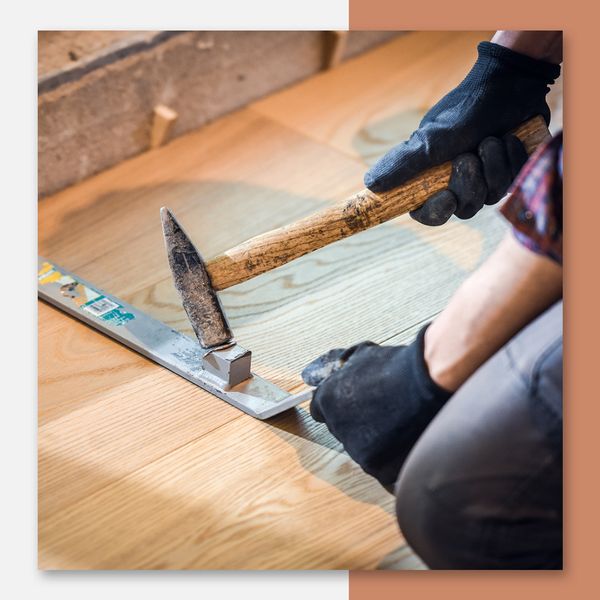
[100, 306]
[84, 297]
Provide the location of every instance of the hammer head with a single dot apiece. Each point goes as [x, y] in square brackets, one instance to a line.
[192, 281]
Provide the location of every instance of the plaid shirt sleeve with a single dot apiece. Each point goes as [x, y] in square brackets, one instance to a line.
[534, 206]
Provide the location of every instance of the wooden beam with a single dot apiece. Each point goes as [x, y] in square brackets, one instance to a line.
[163, 119]
[335, 46]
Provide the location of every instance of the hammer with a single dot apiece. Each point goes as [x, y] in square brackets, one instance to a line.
[198, 281]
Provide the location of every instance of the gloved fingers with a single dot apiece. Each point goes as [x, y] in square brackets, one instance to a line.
[357, 349]
[517, 155]
[401, 163]
[475, 181]
[468, 184]
[497, 169]
[323, 366]
[329, 371]
[437, 210]
[315, 408]
[325, 396]
[328, 363]
[409, 159]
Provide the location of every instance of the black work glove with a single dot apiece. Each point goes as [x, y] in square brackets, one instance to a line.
[503, 89]
[376, 400]
[475, 180]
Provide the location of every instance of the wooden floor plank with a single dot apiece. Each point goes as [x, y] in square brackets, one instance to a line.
[372, 102]
[247, 495]
[101, 399]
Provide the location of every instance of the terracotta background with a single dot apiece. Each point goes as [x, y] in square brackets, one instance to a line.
[582, 213]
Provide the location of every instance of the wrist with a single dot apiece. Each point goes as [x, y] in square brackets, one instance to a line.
[517, 63]
[541, 45]
[422, 367]
[444, 368]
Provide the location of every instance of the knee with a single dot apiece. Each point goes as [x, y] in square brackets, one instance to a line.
[436, 504]
[423, 522]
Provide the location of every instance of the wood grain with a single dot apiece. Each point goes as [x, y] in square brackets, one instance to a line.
[139, 468]
[211, 504]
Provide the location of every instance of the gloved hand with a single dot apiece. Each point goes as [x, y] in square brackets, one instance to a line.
[475, 180]
[503, 89]
[376, 400]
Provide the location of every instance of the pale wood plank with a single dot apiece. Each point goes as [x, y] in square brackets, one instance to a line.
[374, 101]
[247, 495]
[74, 365]
[99, 398]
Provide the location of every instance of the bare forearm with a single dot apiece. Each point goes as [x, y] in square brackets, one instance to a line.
[506, 293]
[543, 45]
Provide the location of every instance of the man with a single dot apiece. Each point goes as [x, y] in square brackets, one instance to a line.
[465, 423]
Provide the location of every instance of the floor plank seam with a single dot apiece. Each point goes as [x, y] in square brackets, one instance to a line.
[353, 157]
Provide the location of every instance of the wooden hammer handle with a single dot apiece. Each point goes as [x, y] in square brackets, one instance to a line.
[362, 211]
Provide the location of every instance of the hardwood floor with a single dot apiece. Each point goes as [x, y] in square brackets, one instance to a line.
[139, 469]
